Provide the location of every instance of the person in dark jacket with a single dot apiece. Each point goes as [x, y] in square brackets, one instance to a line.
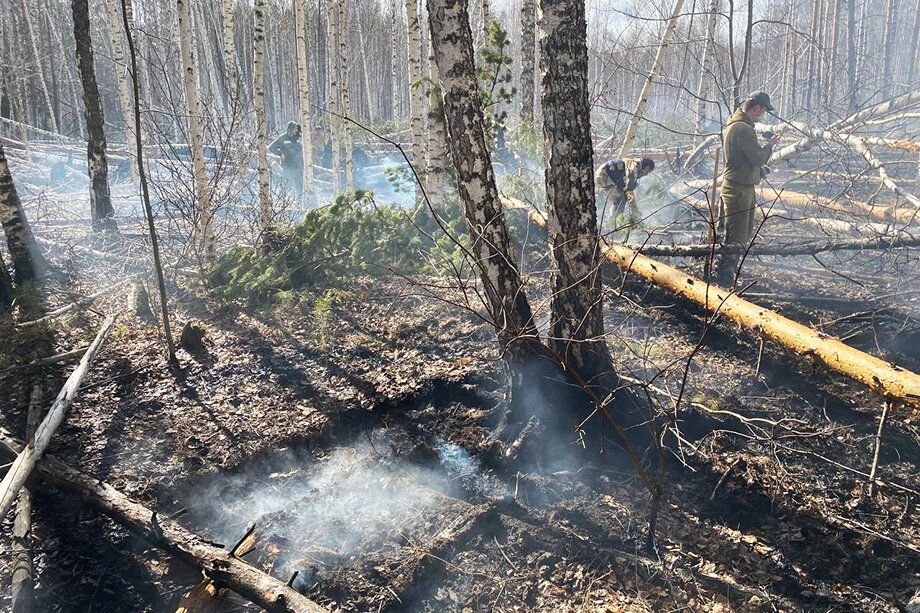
[289, 147]
[744, 160]
[616, 181]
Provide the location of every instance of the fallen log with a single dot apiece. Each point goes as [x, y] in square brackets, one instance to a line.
[23, 575]
[883, 377]
[208, 596]
[25, 462]
[786, 249]
[213, 560]
[67, 308]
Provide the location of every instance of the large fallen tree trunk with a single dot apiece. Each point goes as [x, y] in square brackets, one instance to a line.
[214, 561]
[25, 462]
[883, 377]
[789, 249]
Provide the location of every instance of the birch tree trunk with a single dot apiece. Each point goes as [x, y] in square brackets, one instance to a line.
[437, 138]
[486, 21]
[852, 101]
[528, 31]
[395, 98]
[372, 106]
[24, 253]
[334, 122]
[101, 211]
[832, 53]
[258, 95]
[702, 91]
[195, 128]
[912, 58]
[490, 244]
[416, 104]
[812, 53]
[577, 325]
[6, 285]
[30, 35]
[228, 15]
[303, 62]
[346, 105]
[652, 75]
[118, 56]
[891, 15]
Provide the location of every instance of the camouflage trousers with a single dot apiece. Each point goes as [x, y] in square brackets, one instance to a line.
[738, 206]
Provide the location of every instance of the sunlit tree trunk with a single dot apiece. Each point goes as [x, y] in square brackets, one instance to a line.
[24, 253]
[118, 56]
[528, 32]
[650, 81]
[228, 15]
[416, 103]
[258, 95]
[577, 325]
[832, 52]
[372, 111]
[812, 53]
[891, 29]
[346, 105]
[102, 213]
[437, 138]
[30, 36]
[394, 74]
[851, 57]
[303, 78]
[702, 89]
[195, 128]
[490, 244]
[334, 122]
[912, 57]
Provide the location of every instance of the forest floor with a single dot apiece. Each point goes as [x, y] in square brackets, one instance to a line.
[354, 429]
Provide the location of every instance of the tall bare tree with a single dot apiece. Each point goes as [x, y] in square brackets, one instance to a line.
[346, 103]
[490, 244]
[303, 80]
[202, 192]
[258, 94]
[528, 32]
[577, 322]
[118, 56]
[650, 80]
[24, 253]
[102, 212]
[416, 102]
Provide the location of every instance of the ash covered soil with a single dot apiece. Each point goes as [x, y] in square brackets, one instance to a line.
[356, 435]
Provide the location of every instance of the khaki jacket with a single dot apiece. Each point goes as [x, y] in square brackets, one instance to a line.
[742, 154]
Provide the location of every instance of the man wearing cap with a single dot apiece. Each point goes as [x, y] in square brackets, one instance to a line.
[744, 159]
[617, 180]
[290, 149]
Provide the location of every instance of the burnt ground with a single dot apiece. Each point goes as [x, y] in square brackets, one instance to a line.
[358, 439]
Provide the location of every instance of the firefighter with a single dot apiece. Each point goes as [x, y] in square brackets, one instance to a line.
[744, 166]
[290, 149]
[616, 181]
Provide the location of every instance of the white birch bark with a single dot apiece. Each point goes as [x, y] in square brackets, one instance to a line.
[331, 54]
[258, 95]
[394, 74]
[416, 103]
[346, 110]
[30, 35]
[702, 89]
[195, 128]
[121, 69]
[650, 81]
[300, 41]
[228, 14]
[437, 138]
